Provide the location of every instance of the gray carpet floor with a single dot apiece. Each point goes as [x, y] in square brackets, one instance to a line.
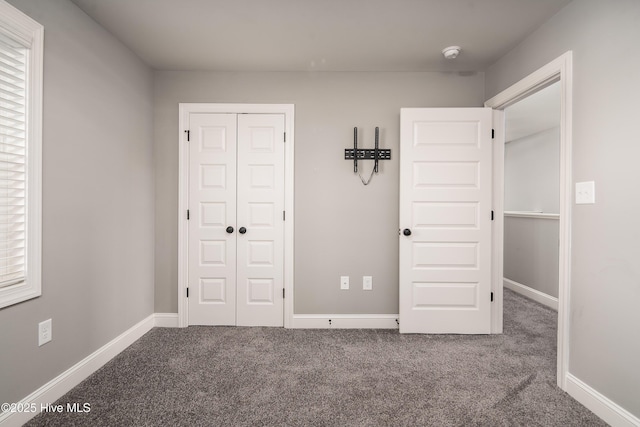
[227, 376]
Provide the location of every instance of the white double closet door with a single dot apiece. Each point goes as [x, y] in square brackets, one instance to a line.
[236, 229]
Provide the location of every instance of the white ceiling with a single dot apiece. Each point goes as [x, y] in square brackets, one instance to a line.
[322, 35]
[535, 113]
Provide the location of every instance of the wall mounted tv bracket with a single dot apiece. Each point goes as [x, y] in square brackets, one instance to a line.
[375, 154]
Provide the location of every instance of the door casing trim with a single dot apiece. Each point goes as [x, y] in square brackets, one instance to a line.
[560, 69]
[184, 110]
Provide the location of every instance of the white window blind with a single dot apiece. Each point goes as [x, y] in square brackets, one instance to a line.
[21, 72]
[13, 161]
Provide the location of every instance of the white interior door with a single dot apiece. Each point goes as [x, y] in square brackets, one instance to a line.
[212, 209]
[445, 220]
[236, 228]
[260, 220]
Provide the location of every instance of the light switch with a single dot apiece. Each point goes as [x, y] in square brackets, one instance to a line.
[45, 332]
[367, 283]
[585, 193]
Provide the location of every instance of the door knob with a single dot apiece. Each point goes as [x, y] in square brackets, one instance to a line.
[406, 232]
[229, 229]
[242, 230]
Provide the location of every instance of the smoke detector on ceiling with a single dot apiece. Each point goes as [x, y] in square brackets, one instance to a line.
[451, 52]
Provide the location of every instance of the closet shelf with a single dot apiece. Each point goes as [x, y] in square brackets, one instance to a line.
[531, 214]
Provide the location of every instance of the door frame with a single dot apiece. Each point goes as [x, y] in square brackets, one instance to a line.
[560, 69]
[184, 110]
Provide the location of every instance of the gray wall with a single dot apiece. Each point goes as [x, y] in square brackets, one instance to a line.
[605, 290]
[531, 253]
[341, 227]
[532, 184]
[532, 172]
[97, 272]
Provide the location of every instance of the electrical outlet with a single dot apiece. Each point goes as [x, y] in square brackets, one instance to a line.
[367, 283]
[344, 283]
[45, 332]
[585, 193]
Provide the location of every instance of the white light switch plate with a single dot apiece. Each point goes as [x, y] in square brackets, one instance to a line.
[344, 283]
[585, 193]
[45, 332]
[367, 283]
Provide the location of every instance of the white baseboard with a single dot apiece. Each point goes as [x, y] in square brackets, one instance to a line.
[166, 320]
[599, 404]
[542, 298]
[57, 387]
[345, 321]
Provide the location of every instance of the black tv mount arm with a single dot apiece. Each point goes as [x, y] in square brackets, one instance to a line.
[375, 154]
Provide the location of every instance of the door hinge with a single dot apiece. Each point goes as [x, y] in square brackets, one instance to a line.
[493, 133]
[491, 215]
[188, 135]
[285, 137]
[284, 216]
[491, 296]
[282, 293]
[187, 292]
[187, 214]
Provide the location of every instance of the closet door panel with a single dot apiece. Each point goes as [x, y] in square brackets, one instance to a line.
[260, 206]
[212, 208]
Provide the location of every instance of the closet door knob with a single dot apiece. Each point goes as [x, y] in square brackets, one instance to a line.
[406, 232]
[242, 230]
[229, 229]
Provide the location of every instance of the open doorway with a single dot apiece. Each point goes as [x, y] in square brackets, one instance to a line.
[532, 196]
[558, 70]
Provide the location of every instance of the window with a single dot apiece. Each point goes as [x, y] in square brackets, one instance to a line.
[21, 52]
